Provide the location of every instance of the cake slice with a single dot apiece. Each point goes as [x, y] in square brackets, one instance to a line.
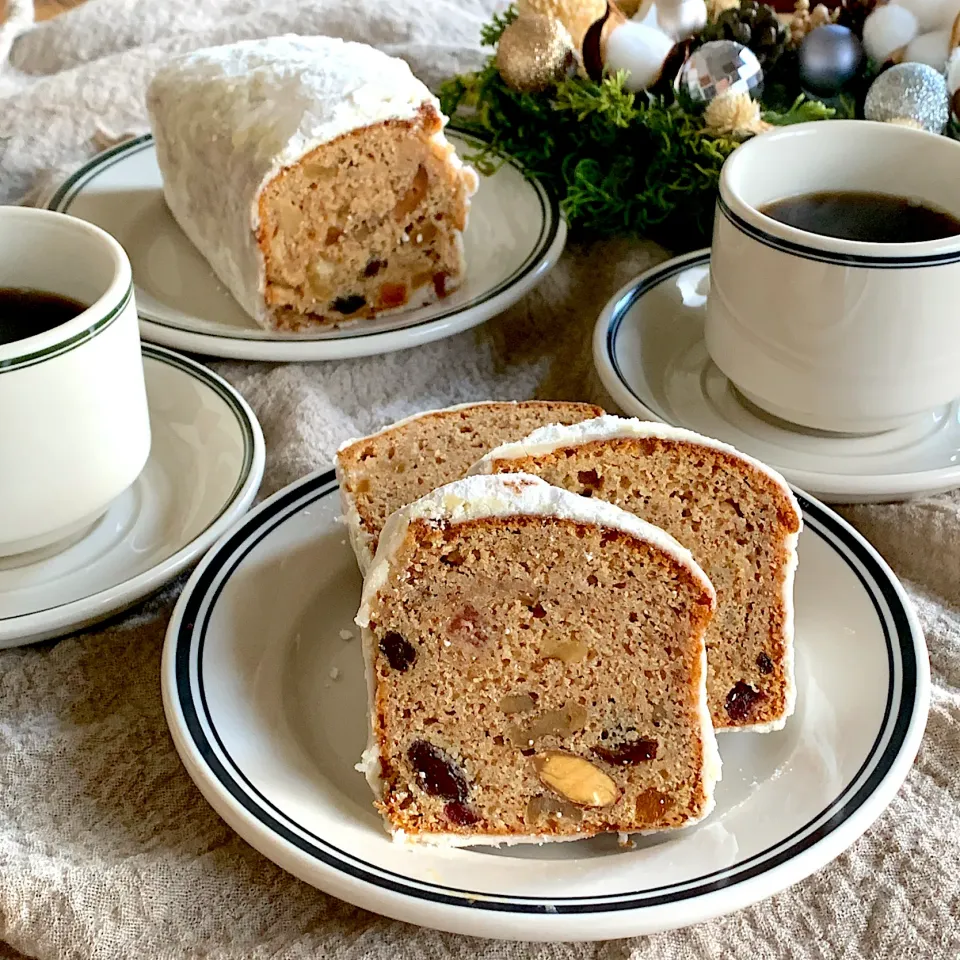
[536, 669]
[313, 175]
[387, 470]
[738, 518]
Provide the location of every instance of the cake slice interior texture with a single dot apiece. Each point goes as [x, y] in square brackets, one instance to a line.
[385, 471]
[367, 223]
[535, 677]
[739, 521]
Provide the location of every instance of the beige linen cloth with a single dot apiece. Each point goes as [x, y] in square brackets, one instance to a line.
[107, 850]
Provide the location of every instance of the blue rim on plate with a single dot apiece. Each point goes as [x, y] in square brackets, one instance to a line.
[550, 225]
[874, 784]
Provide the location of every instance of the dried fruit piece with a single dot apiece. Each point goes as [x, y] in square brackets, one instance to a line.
[554, 723]
[576, 779]
[437, 773]
[466, 625]
[415, 193]
[764, 663]
[652, 805]
[517, 703]
[741, 701]
[392, 295]
[350, 304]
[629, 753]
[557, 648]
[400, 653]
[461, 814]
[543, 807]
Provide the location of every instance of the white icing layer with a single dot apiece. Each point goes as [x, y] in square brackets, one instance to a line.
[228, 119]
[509, 495]
[547, 440]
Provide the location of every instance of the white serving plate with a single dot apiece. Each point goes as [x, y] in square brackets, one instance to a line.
[266, 703]
[649, 351]
[204, 469]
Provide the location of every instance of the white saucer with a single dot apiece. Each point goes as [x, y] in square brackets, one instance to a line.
[514, 237]
[205, 467]
[263, 687]
[649, 350]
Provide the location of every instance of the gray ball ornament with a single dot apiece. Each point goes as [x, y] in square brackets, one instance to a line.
[829, 57]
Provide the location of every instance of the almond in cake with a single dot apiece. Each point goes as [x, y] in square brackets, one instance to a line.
[536, 669]
[314, 176]
[738, 518]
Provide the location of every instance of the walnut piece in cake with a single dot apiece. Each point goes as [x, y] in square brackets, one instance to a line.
[314, 176]
[387, 470]
[536, 666]
[737, 517]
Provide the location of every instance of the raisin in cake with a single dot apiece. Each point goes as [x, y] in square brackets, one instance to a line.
[536, 669]
[314, 176]
[387, 470]
[738, 518]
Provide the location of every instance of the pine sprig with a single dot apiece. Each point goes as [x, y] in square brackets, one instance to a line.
[621, 163]
[490, 32]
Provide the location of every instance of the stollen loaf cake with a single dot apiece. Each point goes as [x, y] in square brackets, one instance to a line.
[314, 176]
[738, 518]
[535, 665]
[387, 470]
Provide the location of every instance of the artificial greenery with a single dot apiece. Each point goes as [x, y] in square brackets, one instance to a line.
[621, 163]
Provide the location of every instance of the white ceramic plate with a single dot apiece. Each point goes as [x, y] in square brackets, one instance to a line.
[205, 467]
[649, 350]
[514, 236]
[266, 699]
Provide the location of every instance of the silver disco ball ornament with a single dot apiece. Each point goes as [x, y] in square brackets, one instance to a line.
[718, 67]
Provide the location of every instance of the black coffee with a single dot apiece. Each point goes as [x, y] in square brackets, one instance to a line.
[25, 313]
[868, 217]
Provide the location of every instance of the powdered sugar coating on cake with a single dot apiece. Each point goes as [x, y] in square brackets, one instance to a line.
[546, 440]
[509, 495]
[228, 119]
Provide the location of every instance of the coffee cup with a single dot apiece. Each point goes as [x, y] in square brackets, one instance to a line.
[836, 334]
[74, 426]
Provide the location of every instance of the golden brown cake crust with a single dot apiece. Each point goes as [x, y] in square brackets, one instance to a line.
[385, 471]
[538, 677]
[738, 523]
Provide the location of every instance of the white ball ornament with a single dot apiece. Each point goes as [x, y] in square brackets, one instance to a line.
[887, 30]
[680, 19]
[929, 13]
[953, 73]
[931, 48]
[640, 50]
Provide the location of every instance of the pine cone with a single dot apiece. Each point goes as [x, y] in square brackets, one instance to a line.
[755, 25]
[852, 13]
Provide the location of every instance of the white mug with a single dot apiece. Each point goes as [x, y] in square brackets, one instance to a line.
[74, 427]
[834, 334]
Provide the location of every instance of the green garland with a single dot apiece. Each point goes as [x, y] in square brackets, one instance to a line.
[620, 163]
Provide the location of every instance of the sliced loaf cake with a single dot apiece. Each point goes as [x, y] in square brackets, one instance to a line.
[738, 518]
[536, 669]
[387, 470]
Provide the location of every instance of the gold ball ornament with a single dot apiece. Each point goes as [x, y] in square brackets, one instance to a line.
[534, 53]
[575, 15]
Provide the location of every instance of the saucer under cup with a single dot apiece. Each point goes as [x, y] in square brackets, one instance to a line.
[828, 333]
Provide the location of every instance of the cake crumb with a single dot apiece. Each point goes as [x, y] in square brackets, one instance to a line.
[334, 673]
[346, 634]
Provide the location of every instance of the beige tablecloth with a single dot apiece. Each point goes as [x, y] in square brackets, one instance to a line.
[106, 848]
